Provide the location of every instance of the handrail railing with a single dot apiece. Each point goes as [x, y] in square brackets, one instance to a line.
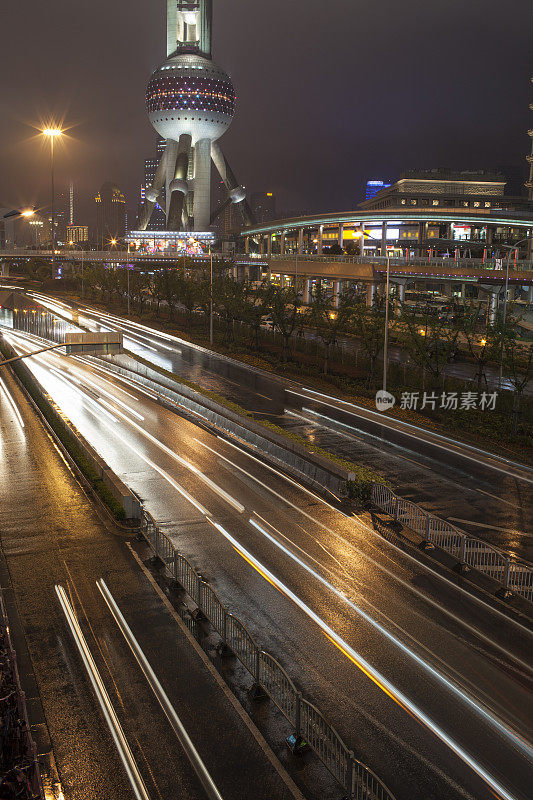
[515, 575]
[309, 725]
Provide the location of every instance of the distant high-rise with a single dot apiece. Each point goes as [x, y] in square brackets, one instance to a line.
[77, 234]
[110, 214]
[263, 206]
[158, 220]
[373, 187]
[71, 203]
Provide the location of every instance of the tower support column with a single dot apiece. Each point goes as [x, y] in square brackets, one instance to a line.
[202, 185]
[178, 187]
[341, 234]
[320, 239]
[301, 240]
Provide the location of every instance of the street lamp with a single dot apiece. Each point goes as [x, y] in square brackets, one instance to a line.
[52, 134]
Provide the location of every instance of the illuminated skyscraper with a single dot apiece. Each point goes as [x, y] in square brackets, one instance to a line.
[110, 214]
[191, 103]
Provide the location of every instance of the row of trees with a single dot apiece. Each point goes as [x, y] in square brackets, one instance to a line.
[431, 339]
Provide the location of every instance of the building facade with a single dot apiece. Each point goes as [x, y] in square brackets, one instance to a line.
[110, 214]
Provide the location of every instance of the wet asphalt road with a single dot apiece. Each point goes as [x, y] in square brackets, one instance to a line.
[489, 504]
[463, 670]
[50, 533]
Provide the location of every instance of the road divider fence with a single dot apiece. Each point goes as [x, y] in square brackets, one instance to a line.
[514, 575]
[19, 766]
[310, 727]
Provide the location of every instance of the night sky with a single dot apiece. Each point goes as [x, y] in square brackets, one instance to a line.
[329, 93]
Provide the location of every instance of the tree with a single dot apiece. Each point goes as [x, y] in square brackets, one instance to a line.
[330, 318]
[158, 288]
[254, 309]
[430, 337]
[369, 326]
[518, 366]
[187, 291]
[229, 294]
[284, 305]
[483, 345]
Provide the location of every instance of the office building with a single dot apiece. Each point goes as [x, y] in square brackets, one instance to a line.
[263, 206]
[110, 214]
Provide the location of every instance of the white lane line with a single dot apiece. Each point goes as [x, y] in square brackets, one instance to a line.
[380, 567]
[489, 717]
[270, 468]
[119, 402]
[175, 485]
[454, 446]
[397, 447]
[126, 756]
[383, 683]
[161, 696]
[184, 463]
[12, 403]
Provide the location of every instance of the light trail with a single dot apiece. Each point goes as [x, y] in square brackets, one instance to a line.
[12, 403]
[515, 738]
[358, 523]
[175, 485]
[126, 756]
[162, 698]
[453, 445]
[183, 462]
[377, 678]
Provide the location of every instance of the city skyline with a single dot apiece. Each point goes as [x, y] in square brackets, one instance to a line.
[429, 116]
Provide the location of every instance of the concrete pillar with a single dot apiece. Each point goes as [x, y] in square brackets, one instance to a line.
[269, 245]
[320, 239]
[301, 240]
[383, 238]
[422, 234]
[341, 234]
[306, 297]
[492, 305]
[247, 245]
[283, 235]
[337, 290]
[401, 297]
[202, 185]
[262, 245]
[171, 152]
[370, 294]
[362, 241]
[530, 295]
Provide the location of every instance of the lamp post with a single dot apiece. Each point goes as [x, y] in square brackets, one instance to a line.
[510, 248]
[386, 338]
[211, 300]
[52, 134]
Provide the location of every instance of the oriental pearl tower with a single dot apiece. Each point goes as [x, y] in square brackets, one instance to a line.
[190, 102]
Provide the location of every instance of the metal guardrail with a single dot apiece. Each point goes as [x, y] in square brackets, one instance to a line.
[14, 719]
[123, 256]
[414, 261]
[309, 725]
[513, 574]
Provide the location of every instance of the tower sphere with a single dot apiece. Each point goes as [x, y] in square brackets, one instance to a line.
[190, 94]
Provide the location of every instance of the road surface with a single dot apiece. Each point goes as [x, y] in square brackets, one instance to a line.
[431, 687]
